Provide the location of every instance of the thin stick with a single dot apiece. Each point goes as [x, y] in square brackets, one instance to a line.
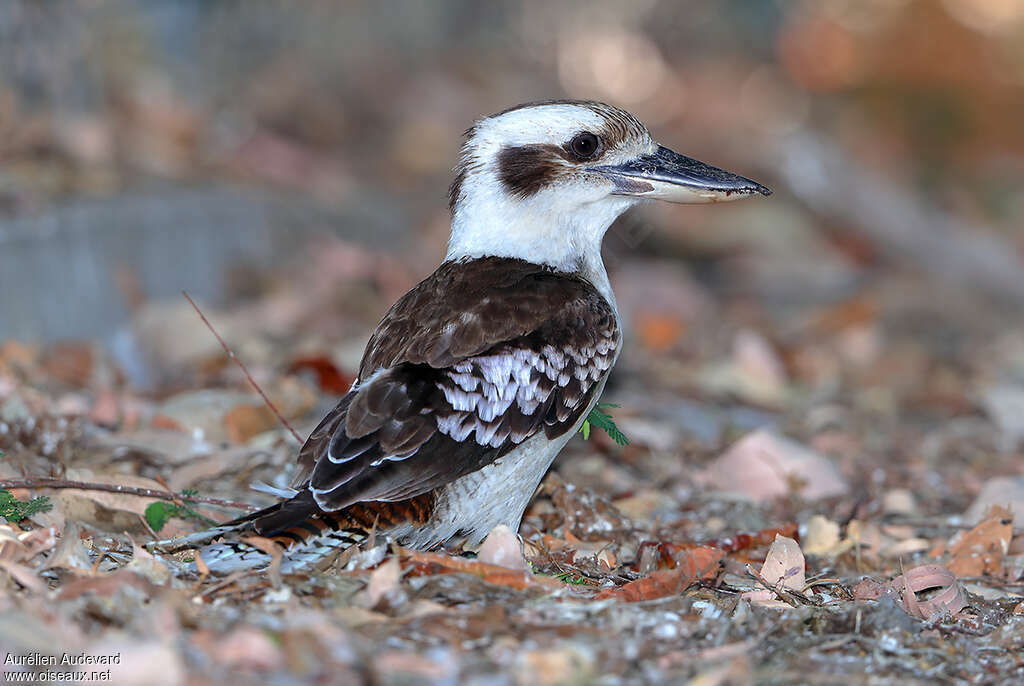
[241, 366]
[47, 482]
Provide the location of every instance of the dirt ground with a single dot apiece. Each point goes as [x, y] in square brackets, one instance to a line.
[822, 391]
[848, 444]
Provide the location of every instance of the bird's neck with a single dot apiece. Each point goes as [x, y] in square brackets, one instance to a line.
[569, 240]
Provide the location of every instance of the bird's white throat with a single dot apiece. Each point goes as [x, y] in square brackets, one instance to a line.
[556, 227]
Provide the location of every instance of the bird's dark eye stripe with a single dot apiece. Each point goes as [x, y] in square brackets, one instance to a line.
[584, 145]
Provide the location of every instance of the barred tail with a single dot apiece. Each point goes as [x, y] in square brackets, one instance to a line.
[303, 547]
[308, 537]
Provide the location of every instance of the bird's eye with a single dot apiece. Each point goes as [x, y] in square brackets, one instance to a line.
[584, 145]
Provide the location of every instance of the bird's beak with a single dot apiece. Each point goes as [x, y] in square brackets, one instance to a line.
[667, 175]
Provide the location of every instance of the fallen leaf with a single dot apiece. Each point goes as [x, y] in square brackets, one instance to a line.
[950, 598]
[606, 558]
[783, 568]
[763, 466]
[871, 589]
[106, 409]
[383, 582]
[980, 551]
[328, 377]
[491, 574]
[822, 537]
[502, 548]
[109, 511]
[695, 565]
[784, 564]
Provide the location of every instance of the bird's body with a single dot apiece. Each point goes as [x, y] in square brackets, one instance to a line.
[474, 380]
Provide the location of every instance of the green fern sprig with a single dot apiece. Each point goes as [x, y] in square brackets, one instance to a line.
[602, 420]
[14, 510]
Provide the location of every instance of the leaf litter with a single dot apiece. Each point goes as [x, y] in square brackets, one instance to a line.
[763, 550]
[822, 481]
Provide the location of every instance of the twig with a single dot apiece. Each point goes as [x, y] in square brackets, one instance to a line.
[784, 594]
[241, 366]
[48, 482]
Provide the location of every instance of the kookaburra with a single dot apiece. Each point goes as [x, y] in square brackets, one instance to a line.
[477, 377]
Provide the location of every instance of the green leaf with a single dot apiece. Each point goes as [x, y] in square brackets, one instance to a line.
[602, 420]
[158, 513]
[571, 578]
[14, 510]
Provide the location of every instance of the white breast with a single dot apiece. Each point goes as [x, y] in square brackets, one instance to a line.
[471, 506]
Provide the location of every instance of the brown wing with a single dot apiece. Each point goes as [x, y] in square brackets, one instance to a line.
[470, 363]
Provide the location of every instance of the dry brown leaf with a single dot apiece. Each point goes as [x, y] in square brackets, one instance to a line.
[949, 598]
[871, 589]
[384, 582]
[657, 584]
[492, 574]
[115, 501]
[763, 465]
[694, 565]
[502, 548]
[784, 564]
[328, 377]
[783, 568]
[822, 537]
[980, 551]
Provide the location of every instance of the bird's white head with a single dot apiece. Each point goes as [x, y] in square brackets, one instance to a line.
[544, 181]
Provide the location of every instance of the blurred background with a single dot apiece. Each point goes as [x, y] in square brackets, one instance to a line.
[148, 147]
[851, 346]
[286, 163]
